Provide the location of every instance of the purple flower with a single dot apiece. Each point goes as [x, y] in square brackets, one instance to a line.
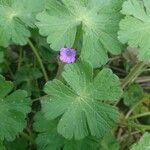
[67, 55]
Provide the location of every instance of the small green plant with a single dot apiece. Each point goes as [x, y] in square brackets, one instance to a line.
[67, 79]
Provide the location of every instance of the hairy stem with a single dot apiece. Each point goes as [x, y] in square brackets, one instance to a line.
[60, 70]
[27, 137]
[135, 125]
[132, 109]
[78, 36]
[135, 72]
[20, 58]
[10, 70]
[140, 115]
[35, 51]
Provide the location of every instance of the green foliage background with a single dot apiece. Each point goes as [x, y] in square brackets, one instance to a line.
[100, 102]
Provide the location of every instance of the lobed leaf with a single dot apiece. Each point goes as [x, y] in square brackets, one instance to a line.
[134, 28]
[133, 95]
[2, 147]
[60, 20]
[143, 144]
[13, 110]
[49, 139]
[15, 18]
[80, 103]
[17, 144]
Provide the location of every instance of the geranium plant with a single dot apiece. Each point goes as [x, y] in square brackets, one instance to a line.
[74, 74]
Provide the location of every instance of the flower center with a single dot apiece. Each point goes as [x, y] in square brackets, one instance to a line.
[69, 52]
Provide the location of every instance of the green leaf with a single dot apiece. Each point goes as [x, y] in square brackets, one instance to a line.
[135, 27]
[2, 146]
[14, 107]
[17, 144]
[60, 28]
[27, 74]
[48, 138]
[143, 144]
[5, 2]
[107, 86]
[133, 95]
[1, 56]
[109, 141]
[83, 111]
[26, 78]
[88, 143]
[2, 59]
[60, 20]
[15, 18]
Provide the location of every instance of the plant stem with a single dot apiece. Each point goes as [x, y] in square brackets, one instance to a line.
[35, 51]
[37, 99]
[78, 36]
[20, 58]
[135, 72]
[10, 70]
[139, 126]
[139, 115]
[132, 109]
[60, 70]
[27, 137]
